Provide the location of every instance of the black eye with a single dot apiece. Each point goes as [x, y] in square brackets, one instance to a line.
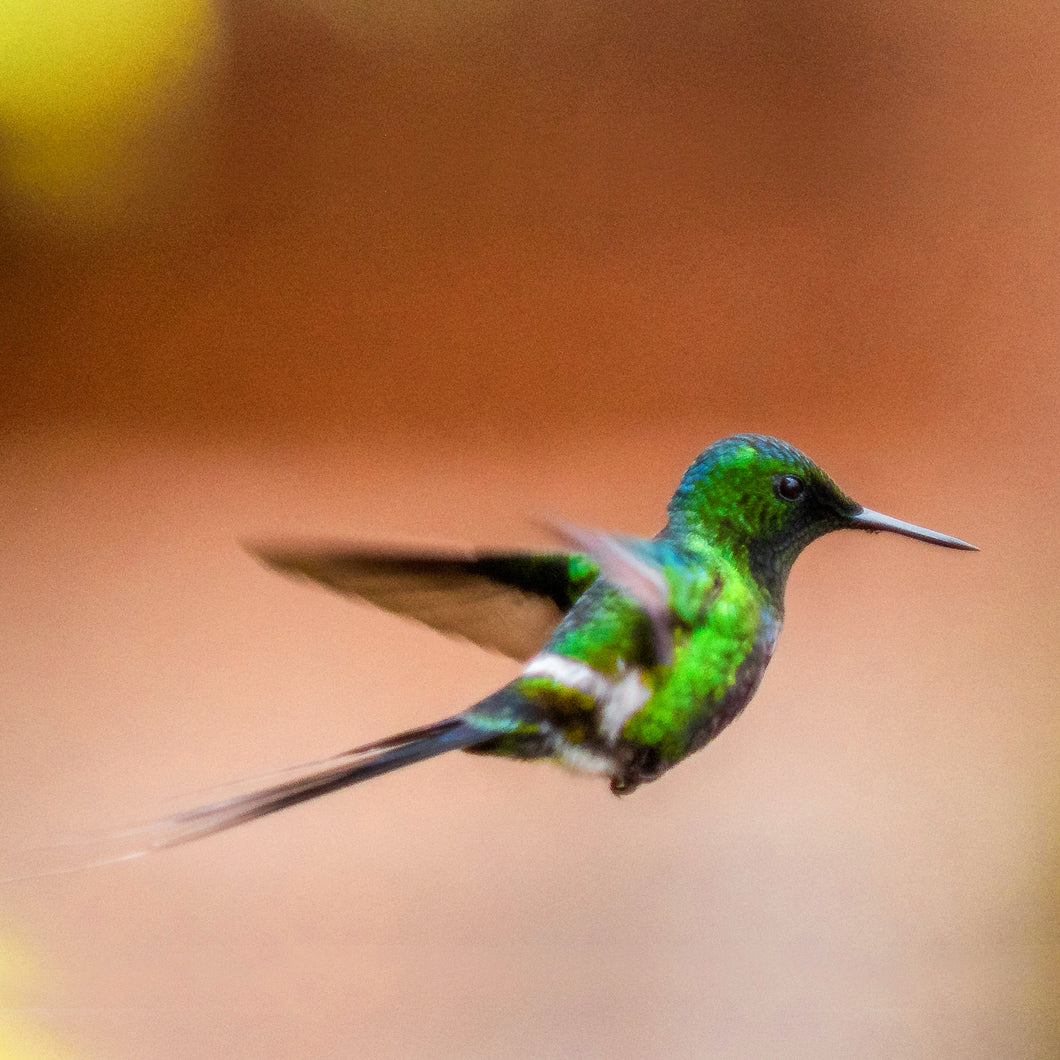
[789, 487]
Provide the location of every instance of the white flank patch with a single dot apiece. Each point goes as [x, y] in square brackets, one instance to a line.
[627, 697]
[581, 760]
[617, 700]
[570, 672]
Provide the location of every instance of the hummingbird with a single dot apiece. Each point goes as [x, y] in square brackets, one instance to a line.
[636, 652]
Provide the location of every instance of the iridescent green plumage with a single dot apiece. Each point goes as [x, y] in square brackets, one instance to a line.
[723, 558]
[637, 652]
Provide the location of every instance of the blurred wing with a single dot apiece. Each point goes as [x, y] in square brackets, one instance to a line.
[628, 564]
[667, 588]
[508, 602]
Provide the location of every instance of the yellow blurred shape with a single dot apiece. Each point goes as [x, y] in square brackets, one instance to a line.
[19, 1038]
[78, 78]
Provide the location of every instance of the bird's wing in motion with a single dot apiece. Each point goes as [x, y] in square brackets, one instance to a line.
[638, 568]
[508, 602]
[628, 564]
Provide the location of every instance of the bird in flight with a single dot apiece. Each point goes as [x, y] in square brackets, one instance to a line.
[636, 652]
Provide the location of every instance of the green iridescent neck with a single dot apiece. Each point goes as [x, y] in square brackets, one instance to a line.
[727, 502]
[753, 558]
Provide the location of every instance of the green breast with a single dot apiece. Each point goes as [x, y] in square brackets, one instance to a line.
[708, 656]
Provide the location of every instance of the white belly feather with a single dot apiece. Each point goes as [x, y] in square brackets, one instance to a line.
[617, 699]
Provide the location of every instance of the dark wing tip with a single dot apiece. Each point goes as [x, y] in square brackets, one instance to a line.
[262, 551]
[285, 559]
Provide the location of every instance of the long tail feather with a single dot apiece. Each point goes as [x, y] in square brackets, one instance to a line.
[317, 778]
[352, 767]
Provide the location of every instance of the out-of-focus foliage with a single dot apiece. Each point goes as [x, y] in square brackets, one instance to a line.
[19, 1039]
[79, 79]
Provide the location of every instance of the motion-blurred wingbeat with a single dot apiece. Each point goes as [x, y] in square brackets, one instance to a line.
[637, 651]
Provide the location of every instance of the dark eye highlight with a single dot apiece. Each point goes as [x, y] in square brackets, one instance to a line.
[789, 487]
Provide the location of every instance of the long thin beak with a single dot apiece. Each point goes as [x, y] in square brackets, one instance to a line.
[870, 520]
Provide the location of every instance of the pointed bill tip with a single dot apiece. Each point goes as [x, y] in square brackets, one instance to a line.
[867, 519]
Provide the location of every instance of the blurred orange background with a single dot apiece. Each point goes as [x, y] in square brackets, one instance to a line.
[422, 272]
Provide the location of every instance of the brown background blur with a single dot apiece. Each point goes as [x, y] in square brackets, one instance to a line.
[423, 274]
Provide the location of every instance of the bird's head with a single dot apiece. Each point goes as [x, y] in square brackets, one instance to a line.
[763, 501]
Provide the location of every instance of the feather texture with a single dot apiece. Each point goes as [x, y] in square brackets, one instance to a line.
[508, 602]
